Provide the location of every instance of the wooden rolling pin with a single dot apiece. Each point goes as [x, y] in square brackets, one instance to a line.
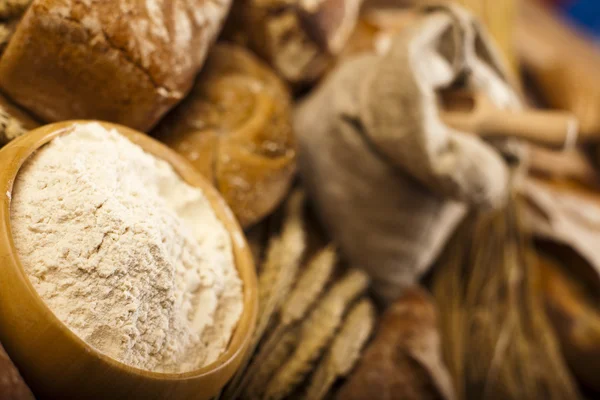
[474, 112]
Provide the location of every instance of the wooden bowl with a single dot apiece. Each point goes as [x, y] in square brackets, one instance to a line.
[53, 360]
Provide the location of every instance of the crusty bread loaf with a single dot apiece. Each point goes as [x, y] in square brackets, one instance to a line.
[124, 61]
[404, 360]
[235, 128]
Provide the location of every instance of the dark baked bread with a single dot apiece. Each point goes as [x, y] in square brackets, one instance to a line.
[124, 61]
[404, 361]
[235, 128]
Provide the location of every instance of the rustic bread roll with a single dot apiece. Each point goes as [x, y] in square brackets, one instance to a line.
[124, 61]
[235, 128]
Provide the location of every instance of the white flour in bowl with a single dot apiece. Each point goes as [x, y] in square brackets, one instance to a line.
[124, 252]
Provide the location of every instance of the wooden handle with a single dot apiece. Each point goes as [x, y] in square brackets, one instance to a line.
[554, 129]
[549, 128]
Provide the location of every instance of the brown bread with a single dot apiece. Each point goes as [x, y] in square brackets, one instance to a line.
[235, 128]
[404, 360]
[122, 61]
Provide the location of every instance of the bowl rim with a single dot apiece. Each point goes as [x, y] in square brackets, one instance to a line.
[240, 338]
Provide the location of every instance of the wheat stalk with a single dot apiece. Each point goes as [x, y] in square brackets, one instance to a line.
[446, 285]
[280, 268]
[486, 291]
[345, 350]
[278, 276]
[265, 370]
[316, 332]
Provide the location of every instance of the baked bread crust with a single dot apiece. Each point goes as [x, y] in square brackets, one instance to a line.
[123, 61]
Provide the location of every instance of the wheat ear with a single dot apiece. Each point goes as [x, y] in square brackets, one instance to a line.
[345, 350]
[280, 268]
[309, 287]
[316, 332]
[278, 275]
[275, 359]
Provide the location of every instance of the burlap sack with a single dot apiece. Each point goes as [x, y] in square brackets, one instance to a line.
[390, 181]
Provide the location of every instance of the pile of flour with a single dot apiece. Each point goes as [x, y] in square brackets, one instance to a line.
[124, 252]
